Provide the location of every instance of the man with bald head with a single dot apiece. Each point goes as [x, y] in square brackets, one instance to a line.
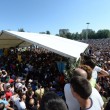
[71, 101]
[32, 105]
[80, 72]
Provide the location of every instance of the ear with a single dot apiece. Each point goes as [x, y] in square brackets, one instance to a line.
[73, 92]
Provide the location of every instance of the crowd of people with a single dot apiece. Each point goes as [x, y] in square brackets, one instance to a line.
[100, 49]
[36, 80]
[26, 75]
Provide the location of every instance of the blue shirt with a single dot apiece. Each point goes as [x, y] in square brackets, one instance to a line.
[5, 102]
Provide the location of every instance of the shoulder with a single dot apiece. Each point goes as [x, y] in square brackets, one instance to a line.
[97, 97]
[95, 92]
[4, 101]
[22, 105]
[97, 68]
[67, 86]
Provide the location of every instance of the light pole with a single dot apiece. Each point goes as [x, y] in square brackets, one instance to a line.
[87, 30]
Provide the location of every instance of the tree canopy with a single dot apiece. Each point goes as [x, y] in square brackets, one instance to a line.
[89, 33]
[21, 30]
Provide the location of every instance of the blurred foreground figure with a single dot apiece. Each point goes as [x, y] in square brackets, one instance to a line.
[51, 101]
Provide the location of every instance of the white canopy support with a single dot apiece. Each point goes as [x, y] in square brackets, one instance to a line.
[62, 46]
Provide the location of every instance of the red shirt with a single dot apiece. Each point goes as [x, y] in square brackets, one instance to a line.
[8, 94]
[62, 79]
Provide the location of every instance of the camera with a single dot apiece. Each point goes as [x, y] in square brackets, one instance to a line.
[4, 72]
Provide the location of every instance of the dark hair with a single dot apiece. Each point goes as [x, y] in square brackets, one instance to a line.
[52, 101]
[89, 60]
[2, 93]
[2, 106]
[88, 69]
[21, 95]
[3, 72]
[91, 63]
[81, 86]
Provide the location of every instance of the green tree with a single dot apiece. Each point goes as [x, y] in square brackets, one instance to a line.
[47, 32]
[73, 36]
[91, 34]
[68, 35]
[83, 33]
[57, 34]
[21, 30]
[77, 36]
[102, 34]
[63, 35]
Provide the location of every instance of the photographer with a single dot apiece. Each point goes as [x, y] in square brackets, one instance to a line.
[3, 75]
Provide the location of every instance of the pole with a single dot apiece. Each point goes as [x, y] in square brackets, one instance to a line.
[87, 31]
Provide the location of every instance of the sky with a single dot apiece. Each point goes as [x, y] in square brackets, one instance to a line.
[42, 15]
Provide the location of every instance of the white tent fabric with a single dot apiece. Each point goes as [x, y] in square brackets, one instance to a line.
[62, 46]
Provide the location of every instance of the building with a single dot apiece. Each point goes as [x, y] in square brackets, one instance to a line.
[63, 31]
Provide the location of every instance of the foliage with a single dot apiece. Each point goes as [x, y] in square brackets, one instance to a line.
[21, 30]
[103, 34]
[91, 34]
[47, 32]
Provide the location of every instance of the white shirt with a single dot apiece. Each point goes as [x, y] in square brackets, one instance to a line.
[18, 85]
[73, 104]
[95, 72]
[97, 101]
[20, 104]
[71, 101]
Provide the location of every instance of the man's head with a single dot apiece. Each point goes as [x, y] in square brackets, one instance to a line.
[22, 96]
[88, 70]
[90, 62]
[2, 106]
[51, 101]
[80, 87]
[31, 102]
[18, 80]
[80, 72]
[8, 88]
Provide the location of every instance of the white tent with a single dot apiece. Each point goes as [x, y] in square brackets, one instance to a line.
[62, 46]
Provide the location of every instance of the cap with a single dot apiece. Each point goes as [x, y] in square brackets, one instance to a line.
[11, 81]
[30, 80]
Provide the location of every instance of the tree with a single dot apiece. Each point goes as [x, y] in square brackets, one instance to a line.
[69, 35]
[83, 33]
[57, 34]
[63, 35]
[103, 34]
[91, 34]
[73, 36]
[47, 32]
[77, 36]
[21, 30]
[42, 32]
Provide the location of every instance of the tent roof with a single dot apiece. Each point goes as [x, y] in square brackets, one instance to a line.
[62, 46]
